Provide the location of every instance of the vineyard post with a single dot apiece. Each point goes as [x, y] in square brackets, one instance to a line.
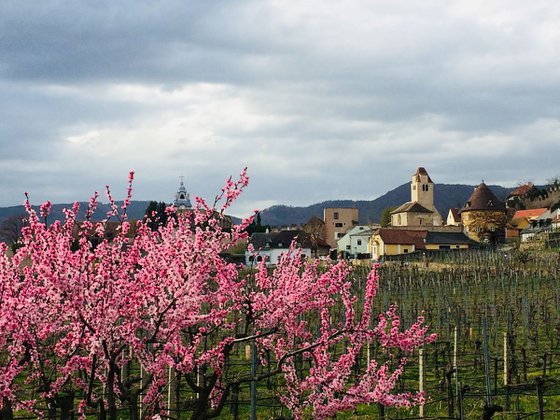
[171, 394]
[487, 364]
[505, 360]
[524, 361]
[540, 388]
[496, 360]
[420, 375]
[462, 391]
[253, 381]
[455, 372]
[381, 411]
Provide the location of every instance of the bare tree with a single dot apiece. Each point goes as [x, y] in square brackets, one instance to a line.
[555, 180]
[10, 229]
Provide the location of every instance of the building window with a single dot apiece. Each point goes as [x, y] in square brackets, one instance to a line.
[339, 235]
[359, 242]
[347, 246]
[399, 219]
[406, 250]
[338, 225]
[335, 216]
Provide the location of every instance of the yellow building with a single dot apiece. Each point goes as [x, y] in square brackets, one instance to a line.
[390, 242]
[484, 216]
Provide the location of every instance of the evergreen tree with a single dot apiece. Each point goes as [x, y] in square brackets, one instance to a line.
[386, 216]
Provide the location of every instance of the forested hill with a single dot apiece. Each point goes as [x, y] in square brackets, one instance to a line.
[446, 196]
[135, 210]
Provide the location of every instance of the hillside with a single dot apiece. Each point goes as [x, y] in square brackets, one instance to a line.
[135, 210]
[446, 196]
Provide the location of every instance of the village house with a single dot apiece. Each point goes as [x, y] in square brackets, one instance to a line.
[515, 198]
[354, 244]
[453, 217]
[270, 246]
[540, 227]
[522, 220]
[338, 221]
[530, 197]
[390, 242]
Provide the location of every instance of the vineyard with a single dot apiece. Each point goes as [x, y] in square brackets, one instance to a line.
[497, 354]
[498, 349]
[498, 322]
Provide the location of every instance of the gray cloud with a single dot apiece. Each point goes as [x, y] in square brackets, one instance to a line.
[320, 100]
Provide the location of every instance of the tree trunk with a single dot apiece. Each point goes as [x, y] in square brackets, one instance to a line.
[133, 405]
[111, 398]
[6, 413]
[201, 406]
[102, 413]
[51, 406]
[66, 404]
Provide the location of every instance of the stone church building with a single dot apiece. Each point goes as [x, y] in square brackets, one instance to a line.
[420, 211]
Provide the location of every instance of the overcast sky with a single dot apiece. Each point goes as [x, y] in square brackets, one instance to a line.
[319, 99]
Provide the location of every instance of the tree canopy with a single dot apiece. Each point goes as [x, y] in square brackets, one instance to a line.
[77, 324]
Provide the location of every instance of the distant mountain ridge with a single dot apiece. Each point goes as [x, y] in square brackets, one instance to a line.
[446, 196]
[135, 210]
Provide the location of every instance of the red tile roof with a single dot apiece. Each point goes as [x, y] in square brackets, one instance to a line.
[528, 214]
[522, 189]
[403, 237]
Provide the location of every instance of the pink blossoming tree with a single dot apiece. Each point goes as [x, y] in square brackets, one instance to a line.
[106, 325]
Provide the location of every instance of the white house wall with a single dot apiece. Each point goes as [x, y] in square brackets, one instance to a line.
[272, 255]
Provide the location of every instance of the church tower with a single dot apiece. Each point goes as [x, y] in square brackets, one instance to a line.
[182, 200]
[422, 189]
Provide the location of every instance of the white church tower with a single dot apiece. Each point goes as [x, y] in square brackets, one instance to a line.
[182, 200]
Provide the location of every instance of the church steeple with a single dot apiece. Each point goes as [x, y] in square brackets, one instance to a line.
[422, 189]
[182, 199]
